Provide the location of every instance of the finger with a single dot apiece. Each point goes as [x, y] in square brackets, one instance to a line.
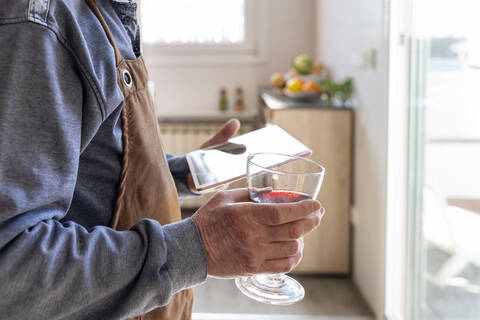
[237, 195]
[226, 132]
[281, 213]
[294, 230]
[283, 265]
[283, 249]
[216, 189]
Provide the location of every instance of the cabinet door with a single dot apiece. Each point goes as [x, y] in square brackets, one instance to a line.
[329, 134]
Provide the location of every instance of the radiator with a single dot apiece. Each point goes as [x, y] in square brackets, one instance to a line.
[181, 137]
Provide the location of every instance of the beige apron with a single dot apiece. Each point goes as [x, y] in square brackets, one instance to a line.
[147, 189]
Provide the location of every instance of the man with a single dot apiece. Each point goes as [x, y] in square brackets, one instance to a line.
[88, 208]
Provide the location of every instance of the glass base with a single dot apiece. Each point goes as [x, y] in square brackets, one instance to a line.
[277, 289]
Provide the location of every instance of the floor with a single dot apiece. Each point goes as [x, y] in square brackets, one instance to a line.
[325, 298]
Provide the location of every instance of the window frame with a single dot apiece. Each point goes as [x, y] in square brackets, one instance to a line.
[171, 53]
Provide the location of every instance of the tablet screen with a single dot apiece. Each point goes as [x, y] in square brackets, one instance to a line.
[214, 167]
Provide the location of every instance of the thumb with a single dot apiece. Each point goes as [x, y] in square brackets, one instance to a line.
[225, 133]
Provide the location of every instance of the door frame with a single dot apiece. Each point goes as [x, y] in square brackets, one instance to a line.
[400, 218]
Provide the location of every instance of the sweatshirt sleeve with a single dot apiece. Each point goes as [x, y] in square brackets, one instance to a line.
[51, 269]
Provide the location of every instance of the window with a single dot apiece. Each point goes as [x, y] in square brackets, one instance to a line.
[193, 22]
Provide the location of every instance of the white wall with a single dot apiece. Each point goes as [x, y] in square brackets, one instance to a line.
[290, 29]
[347, 32]
[191, 88]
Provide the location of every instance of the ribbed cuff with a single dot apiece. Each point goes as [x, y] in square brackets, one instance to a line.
[187, 262]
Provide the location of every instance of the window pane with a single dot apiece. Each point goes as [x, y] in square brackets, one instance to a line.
[193, 21]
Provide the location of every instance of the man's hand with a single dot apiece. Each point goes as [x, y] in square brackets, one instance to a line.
[242, 238]
[229, 130]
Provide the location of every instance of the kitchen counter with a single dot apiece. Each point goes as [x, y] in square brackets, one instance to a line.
[275, 100]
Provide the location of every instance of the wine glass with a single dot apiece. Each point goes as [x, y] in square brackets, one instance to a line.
[278, 178]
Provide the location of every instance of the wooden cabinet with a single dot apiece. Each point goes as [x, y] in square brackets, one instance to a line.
[328, 132]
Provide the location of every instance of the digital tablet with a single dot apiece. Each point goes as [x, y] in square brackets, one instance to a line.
[227, 162]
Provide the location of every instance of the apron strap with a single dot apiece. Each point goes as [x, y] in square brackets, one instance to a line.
[93, 5]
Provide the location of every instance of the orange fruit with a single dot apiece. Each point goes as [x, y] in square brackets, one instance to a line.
[310, 86]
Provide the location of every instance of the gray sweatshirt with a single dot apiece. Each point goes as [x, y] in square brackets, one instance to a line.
[60, 161]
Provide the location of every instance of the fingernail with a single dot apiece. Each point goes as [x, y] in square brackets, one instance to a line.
[316, 206]
[302, 244]
[320, 213]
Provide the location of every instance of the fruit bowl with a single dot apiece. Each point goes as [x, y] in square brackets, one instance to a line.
[302, 95]
[307, 77]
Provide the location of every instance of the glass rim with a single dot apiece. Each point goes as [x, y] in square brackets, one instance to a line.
[320, 167]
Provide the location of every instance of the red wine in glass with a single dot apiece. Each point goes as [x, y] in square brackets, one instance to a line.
[278, 196]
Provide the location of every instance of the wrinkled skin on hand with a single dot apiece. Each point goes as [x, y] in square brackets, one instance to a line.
[243, 238]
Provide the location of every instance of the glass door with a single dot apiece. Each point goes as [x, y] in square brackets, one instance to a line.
[444, 189]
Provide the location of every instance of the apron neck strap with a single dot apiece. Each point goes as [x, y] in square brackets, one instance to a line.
[93, 5]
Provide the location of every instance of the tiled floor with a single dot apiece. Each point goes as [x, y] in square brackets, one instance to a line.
[325, 298]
